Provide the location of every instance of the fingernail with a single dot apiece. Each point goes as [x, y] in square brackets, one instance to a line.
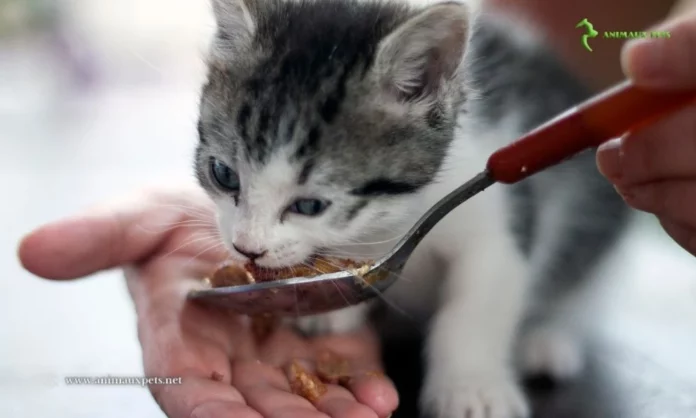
[618, 190]
[625, 195]
[609, 157]
[637, 197]
[640, 198]
[642, 60]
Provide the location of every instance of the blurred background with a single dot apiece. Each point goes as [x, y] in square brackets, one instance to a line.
[98, 98]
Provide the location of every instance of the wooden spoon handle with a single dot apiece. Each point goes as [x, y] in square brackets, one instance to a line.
[608, 115]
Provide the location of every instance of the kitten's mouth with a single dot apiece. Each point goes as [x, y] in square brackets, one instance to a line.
[315, 265]
[234, 274]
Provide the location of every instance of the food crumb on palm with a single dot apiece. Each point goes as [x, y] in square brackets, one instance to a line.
[305, 384]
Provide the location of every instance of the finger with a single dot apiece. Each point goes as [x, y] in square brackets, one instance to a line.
[376, 391]
[221, 409]
[368, 385]
[266, 389]
[339, 403]
[202, 397]
[675, 199]
[664, 62]
[608, 158]
[684, 235]
[120, 233]
[664, 151]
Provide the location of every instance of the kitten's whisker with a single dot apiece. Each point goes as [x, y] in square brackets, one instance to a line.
[194, 221]
[355, 250]
[377, 242]
[335, 285]
[196, 207]
[341, 253]
[171, 226]
[373, 255]
[206, 212]
[372, 230]
[326, 295]
[146, 62]
[200, 253]
[192, 241]
[309, 265]
[338, 289]
[297, 303]
[389, 303]
[357, 241]
[399, 275]
[377, 292]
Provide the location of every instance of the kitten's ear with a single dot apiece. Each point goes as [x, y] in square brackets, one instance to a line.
[425, 51]
[236, 21]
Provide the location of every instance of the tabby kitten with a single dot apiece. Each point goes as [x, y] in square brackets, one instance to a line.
[332, 125]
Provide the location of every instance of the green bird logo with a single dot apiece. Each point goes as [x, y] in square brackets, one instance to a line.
[590, 32]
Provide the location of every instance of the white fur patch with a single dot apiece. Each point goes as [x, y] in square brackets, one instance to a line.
[477, 394]
[551, 352]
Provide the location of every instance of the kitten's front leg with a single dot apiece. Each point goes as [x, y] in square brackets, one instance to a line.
[469, 347]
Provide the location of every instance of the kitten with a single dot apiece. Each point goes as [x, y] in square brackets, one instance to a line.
[329, 123]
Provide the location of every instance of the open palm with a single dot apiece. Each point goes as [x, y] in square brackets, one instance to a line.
[164, 241]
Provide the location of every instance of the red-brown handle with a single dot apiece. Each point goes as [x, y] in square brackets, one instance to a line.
[608, 115]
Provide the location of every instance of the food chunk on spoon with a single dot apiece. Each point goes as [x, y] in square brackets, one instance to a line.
[318, 286]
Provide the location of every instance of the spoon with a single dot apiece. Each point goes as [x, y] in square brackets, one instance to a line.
[608, 115]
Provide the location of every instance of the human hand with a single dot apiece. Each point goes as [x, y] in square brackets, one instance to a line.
[164, 240]
[655, 169]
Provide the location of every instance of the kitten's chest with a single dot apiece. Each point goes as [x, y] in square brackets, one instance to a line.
[417, 291]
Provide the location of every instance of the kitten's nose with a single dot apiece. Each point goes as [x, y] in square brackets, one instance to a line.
[250, 254]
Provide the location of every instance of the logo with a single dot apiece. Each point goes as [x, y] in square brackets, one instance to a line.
[590, 32]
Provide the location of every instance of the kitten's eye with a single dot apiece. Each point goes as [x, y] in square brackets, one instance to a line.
[224, 176]
[309, 207]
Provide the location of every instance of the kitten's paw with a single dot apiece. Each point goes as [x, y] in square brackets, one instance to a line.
[477, 394]
[551, 353]
[337, 322]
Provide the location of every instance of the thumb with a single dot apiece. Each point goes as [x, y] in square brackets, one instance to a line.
[664, 62]
[125, 232]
